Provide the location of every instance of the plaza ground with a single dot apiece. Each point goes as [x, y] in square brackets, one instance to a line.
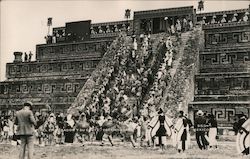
[121, 151]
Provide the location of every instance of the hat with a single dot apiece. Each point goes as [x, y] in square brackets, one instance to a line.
[109, 117]
[82, 114]
[160, 111]
[181, 112]
[101, 117]
[52, 115]
[200, 113]
[135, 118]
[29, 104]
[69, 116]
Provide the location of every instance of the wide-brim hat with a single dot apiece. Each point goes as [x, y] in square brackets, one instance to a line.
[160, 111]
[200, 113]
[101, 117]
[83, 114]
[29, 104]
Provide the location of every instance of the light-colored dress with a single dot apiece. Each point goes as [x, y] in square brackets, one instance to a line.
[179, 130]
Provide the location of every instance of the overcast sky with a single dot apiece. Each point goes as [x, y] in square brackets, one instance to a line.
[24, 23]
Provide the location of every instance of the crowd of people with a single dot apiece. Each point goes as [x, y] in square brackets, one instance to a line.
[161, 79]
[109, 28]
[124, 83]
[47, 128]
[124, 104]
[59, 128]
[181, 25]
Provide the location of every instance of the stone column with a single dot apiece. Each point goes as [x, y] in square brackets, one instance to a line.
[18, 57]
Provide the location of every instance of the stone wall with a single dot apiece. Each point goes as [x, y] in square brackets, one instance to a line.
[222, 86]
[89, 49]
[82, 67]
[55, 92]
[98, 30]
[224, 112]
[55, 78]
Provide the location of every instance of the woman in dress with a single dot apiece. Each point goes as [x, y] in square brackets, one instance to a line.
[212, 131]
[69, 130]
[161, 128]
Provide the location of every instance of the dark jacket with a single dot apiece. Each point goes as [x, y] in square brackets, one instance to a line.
[25, 121]
[200, 124]
[212, 123]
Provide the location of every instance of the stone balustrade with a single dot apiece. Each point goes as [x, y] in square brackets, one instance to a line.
[223, 18]
[110, 29]
[225, 25]
[98, 30]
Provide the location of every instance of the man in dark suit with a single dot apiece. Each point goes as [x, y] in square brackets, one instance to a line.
[25, 130]
[200, 128]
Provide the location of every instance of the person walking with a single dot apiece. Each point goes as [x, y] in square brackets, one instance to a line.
[25, 121]
[161, 132]
[100, 132]
[212, 133]
[69, 130]
[161, 128]
[182, 132]
[200, 126]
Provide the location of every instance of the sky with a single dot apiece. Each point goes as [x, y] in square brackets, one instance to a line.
[23, 24]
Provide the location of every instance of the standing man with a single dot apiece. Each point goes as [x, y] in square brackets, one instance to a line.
[26, 122]
[30, 56]
[200, 128]
[25, 57]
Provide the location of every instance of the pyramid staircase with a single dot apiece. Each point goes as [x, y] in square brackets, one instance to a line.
[94, 80]
[183, 48]
[180, 89]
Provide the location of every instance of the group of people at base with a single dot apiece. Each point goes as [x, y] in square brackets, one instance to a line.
[159, 129]
[206, 131]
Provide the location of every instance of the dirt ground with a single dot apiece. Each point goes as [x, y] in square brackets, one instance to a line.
[120, 151]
